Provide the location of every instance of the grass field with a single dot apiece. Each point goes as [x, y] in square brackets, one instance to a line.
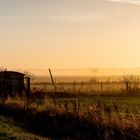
[123, 103]
[65, 116]
[73, 111]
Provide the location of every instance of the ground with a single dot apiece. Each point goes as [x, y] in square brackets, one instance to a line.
[50, 117]
[9, 131]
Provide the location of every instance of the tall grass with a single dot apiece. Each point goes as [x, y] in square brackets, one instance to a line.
[62, 121]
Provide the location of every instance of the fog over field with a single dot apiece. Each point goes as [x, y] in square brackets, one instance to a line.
[87, 72]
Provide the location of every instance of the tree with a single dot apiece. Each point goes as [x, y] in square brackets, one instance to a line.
[29, 74]
[3, 69]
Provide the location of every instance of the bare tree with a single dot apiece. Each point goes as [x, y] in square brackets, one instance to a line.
[29, 74]
[3, 69]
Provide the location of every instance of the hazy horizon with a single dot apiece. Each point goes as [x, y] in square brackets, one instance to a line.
[82, 71]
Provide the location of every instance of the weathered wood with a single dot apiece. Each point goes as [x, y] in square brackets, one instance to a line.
[53, 83]
[11, 84]
[28, 87]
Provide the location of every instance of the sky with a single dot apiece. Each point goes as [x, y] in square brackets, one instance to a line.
[69, 33]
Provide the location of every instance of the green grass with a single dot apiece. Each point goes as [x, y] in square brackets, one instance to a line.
[131, 103]
[61, 123]
[71, 117]
[8, 131]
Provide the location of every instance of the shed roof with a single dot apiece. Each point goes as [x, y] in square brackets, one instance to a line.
[11, 74]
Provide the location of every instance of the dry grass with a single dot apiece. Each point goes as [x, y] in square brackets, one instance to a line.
[99, 121]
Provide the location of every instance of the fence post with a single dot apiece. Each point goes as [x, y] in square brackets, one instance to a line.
[127, 86]
[28, 86]
[101, 86]
[53, 83]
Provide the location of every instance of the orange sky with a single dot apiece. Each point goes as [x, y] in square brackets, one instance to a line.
[69, 34]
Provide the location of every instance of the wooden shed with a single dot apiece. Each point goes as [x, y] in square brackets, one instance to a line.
[11, 83]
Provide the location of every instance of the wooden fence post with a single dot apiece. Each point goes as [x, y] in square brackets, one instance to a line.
[53, 83]
[101, 86]
[28, 86]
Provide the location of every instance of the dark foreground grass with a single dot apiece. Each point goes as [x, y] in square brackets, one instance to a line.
[8, 131]
[97, 123]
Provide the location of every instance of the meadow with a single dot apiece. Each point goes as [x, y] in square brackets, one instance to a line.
[74, 110]
[87, 84]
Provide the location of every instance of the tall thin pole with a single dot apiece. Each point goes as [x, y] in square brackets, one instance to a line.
[53, 86]
[53, 83]
[28, 86]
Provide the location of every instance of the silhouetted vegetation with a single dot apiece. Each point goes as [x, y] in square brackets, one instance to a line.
[76, 114]
[99, 121]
